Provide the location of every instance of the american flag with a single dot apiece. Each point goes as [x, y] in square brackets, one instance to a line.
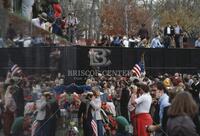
[94, 127]
[34, 127]
[14, 68]
[138, 69]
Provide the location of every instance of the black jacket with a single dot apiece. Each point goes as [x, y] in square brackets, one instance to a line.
[19, 99]
[195, 92]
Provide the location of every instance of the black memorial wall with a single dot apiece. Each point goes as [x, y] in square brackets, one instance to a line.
[77, 62]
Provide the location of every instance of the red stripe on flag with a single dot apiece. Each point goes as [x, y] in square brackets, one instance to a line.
[16, 70]
[138, 67]
[13, 68]
[94, 127]
[137, 70]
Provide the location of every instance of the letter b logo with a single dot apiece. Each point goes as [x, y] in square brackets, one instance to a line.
[98, 57]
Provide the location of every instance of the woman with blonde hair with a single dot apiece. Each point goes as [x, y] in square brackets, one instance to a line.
[96, 112]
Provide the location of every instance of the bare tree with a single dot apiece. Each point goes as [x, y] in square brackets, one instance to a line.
[118, 16]
[185, 12]
[87, 12]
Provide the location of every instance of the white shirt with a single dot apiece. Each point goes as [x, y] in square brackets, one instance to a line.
[126, 43]
[168, 30]
[96, 105]
[1, 42]
[143, 103]
[177, 30]
[112, 108]
[36, 22]
[197, 43]
[40, 105]
[72, 20]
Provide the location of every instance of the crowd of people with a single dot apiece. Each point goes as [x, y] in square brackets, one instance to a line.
[47, 15]
[14, 38]
[171, 36]
[107, 105]
[64, 26]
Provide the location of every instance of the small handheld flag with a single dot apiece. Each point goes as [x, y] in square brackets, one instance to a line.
[94, 127]
[139, 67]
[14, 68]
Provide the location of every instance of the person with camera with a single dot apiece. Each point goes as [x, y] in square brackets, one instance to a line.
[142, 116]
[96, 110]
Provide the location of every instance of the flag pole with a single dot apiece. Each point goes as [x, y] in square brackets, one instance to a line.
[8, 75]
[143, 61]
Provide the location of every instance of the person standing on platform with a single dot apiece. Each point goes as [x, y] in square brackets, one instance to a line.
[177, 37]
[143, 32]
[168, 33]
[197, 42]
[27, 8]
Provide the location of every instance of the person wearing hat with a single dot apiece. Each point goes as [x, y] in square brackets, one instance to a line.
[40, 20]
[167, 83]
[122, 126]
[20, 125]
